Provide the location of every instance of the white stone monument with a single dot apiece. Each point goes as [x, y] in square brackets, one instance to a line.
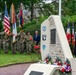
[53, 39]
[54, 43]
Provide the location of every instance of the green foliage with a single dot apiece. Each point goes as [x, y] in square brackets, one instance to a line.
[65, 73]
[34, 25]
[69, 7]
[67, 18]
[71, 19]
[32, 28]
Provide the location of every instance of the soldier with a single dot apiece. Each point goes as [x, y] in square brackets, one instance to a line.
[0, 40]
[29, 42]
[13, 45]
[6, 39]
[18, 42]
[22, 40]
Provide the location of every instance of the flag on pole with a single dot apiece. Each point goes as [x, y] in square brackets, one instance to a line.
[68, 34]
[13, 21]
[6, 21]
[21, 16]
[75, 45]
[73, 35]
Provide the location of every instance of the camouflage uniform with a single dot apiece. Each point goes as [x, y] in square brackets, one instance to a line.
[5, 42]
[28, 43]
[22, 41]
[13, 46]
[18, 43]
[1, 40]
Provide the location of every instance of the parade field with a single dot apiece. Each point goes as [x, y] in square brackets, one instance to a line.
[8, 59]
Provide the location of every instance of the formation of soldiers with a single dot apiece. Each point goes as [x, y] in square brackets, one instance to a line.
[23, 43]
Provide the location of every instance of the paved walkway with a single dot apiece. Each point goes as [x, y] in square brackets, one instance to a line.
[14, 69]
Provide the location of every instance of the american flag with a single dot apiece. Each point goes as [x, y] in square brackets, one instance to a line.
[6, 21]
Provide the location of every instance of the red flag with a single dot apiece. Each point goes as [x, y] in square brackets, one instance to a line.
[68, 35]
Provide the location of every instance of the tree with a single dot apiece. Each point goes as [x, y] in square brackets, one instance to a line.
[68, 7]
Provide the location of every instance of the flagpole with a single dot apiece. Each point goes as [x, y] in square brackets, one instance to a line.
[60, 8]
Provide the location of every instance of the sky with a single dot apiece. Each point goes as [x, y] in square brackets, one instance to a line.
[47, 1]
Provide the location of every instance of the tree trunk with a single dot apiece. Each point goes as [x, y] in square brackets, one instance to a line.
[32, 10]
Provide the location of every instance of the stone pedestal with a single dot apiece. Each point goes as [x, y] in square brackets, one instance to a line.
[73, 65]
[42, 69]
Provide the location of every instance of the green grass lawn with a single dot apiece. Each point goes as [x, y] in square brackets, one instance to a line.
[6, 59]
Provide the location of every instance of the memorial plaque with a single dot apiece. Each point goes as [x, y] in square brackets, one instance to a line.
[53, 36]
[36, 73]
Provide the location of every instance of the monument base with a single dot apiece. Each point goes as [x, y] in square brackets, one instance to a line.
[73, 65]
[42, 69]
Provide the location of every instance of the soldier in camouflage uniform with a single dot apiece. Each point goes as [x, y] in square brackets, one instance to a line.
[18, 43]
[6, 39]
[1, 41]
[13, 45]
[29, 42]
[22, 40]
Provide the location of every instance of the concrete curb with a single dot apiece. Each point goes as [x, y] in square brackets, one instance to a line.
[18, 64]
